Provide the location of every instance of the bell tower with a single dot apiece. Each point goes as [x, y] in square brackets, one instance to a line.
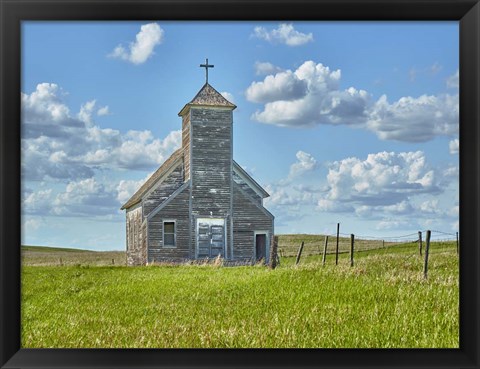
[208, 149]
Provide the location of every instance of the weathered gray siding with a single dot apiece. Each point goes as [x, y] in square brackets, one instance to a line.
[211, 167]
[211, 164]
[136, 237]
[186, 144]
[247, 218]
[173, 181]
[246, 187]
[177, 210]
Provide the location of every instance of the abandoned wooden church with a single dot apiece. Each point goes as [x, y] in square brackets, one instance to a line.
[200, 203]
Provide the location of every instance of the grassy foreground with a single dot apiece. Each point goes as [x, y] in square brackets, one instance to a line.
[383, 301]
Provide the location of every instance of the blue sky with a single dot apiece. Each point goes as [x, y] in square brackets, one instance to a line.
[350, 122]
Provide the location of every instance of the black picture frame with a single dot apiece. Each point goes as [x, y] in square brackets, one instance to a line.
[467, 12]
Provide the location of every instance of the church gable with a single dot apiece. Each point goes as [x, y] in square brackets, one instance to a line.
[248, 184]
[163, 189]
[160, 174]
[248, 216]
[175, 211]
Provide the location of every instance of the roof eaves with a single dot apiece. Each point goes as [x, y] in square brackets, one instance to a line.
[260, 206]
[171, 162]
[255, 183]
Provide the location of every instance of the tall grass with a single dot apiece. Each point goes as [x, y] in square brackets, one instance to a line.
[383, 301]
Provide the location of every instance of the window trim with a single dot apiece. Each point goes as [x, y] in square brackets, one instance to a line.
[174, 246]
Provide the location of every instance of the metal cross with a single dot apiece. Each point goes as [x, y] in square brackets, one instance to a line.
[206, 66]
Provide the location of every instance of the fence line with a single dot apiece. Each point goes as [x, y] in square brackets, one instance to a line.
[435, 241]
[366, 243]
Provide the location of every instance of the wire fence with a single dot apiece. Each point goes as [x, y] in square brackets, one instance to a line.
[415, 242]
[424, 243]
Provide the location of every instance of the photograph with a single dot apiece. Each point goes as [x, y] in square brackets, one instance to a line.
[239, 184]
[262, 184]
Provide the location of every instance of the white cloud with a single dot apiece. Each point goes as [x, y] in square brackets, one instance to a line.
[31, 224]
[381, 211]
[141, 49]
[396, 190]
[308, 96]
[305, 163]
[454, 80]
[414, 119]
[103, 111]
[45, 107]
[57, 144]
[430, 206]
[86, 197]
[126, 188]
[451, 172]
[282, 193]
[282, 86]
[228, 96]
[392, 224]
[86, 111]
[334, 206]
[264, 68]
[384, 181]
[285, 34]
[454, 146]
[279, 197]
[39, 202]
[282, 197]
[311, 95]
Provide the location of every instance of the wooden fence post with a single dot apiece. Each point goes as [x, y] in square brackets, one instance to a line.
[325, 250]
[427, 249]
[383, 244]
[336, 249]
[420, 242]
[457, 243]
[273, 254]
[352, 241]
[299, 253]
[113, 261]
[61, 262]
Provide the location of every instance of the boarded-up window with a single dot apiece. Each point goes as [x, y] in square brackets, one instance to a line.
[169, 233]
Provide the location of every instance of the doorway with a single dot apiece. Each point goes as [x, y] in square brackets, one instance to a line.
[210, 237]
[260, 246]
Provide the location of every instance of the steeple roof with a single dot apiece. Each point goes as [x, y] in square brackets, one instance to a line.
[207, 96]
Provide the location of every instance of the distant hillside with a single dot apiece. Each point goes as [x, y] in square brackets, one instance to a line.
[50, 249]
[43, 255]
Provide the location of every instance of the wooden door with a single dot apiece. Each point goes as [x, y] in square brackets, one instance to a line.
[210, 238]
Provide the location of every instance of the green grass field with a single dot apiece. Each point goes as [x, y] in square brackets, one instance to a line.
[382, 302]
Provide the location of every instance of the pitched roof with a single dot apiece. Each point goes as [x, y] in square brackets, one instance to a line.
[249, 180]
[208, 96]
[171, 162]
[167, 164]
